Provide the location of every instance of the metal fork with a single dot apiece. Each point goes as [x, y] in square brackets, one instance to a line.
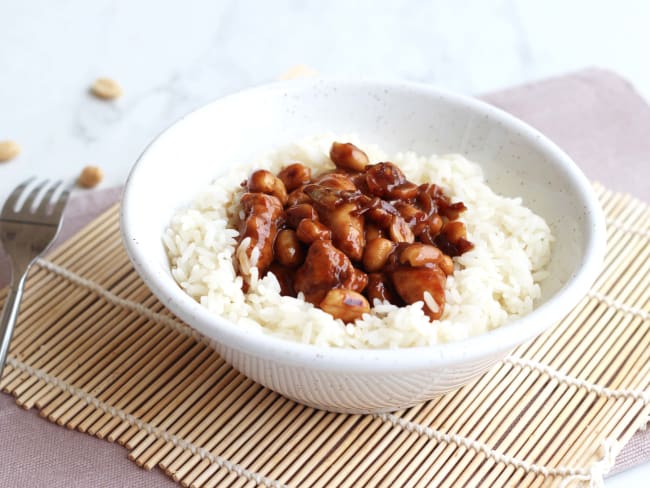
[26, 233]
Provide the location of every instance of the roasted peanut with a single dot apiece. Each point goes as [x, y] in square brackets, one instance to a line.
[309, 231]
[373, 232]
[417, 255]
[454, 230]
[337, 181]
[404, 191]
[376, 254]
[399, 230]
[298, 196]
[294, 176]
[106, 89]
[446, 264]
[90, 177]
[298, 212]
[453, 211]
[8, 150]
[435, 224]
[348, 156]
[288, 249]
[264, 181]
[346, 305]
[261, 181]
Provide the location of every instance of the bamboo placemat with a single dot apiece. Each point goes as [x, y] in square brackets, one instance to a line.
[95, 351]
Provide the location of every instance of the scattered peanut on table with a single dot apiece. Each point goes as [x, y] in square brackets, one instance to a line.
[8, 150]
[106, 89]
[90, 177]
[353, 235]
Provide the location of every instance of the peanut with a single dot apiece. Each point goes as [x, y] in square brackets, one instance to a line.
[8, 150]
[106, 89]
[90, 177]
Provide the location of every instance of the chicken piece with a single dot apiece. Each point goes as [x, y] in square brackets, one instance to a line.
[412, 283]
[384, 178]
[263, 214]
[340, 212]
[348, 156]
[356, 281]
[325, 268]
[346, 305]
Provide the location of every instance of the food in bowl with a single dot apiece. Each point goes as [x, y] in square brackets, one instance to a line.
[231, 258]
[352, 236]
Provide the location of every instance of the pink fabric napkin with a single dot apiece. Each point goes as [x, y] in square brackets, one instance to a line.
[594, 115]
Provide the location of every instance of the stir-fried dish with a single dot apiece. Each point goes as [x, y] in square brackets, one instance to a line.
[350, 236]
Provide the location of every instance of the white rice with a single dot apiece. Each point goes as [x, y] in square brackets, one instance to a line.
[495, 282]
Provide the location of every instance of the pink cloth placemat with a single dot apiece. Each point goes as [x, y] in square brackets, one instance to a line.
[594, 115]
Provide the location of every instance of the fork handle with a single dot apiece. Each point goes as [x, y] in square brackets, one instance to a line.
[9, 316]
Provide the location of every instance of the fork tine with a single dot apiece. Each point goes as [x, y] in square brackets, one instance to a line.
[60, 203]
[31, 198]
[10, 203]
[42, 207]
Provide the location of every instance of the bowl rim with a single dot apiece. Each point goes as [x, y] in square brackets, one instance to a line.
[491, 343]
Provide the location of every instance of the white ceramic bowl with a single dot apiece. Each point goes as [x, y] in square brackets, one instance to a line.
[517, 160]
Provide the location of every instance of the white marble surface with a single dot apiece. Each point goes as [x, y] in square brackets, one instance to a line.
[171, 57]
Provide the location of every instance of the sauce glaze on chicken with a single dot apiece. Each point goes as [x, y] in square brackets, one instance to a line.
[358, 233]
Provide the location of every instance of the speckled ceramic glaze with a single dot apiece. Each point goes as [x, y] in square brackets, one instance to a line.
[517, 160]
